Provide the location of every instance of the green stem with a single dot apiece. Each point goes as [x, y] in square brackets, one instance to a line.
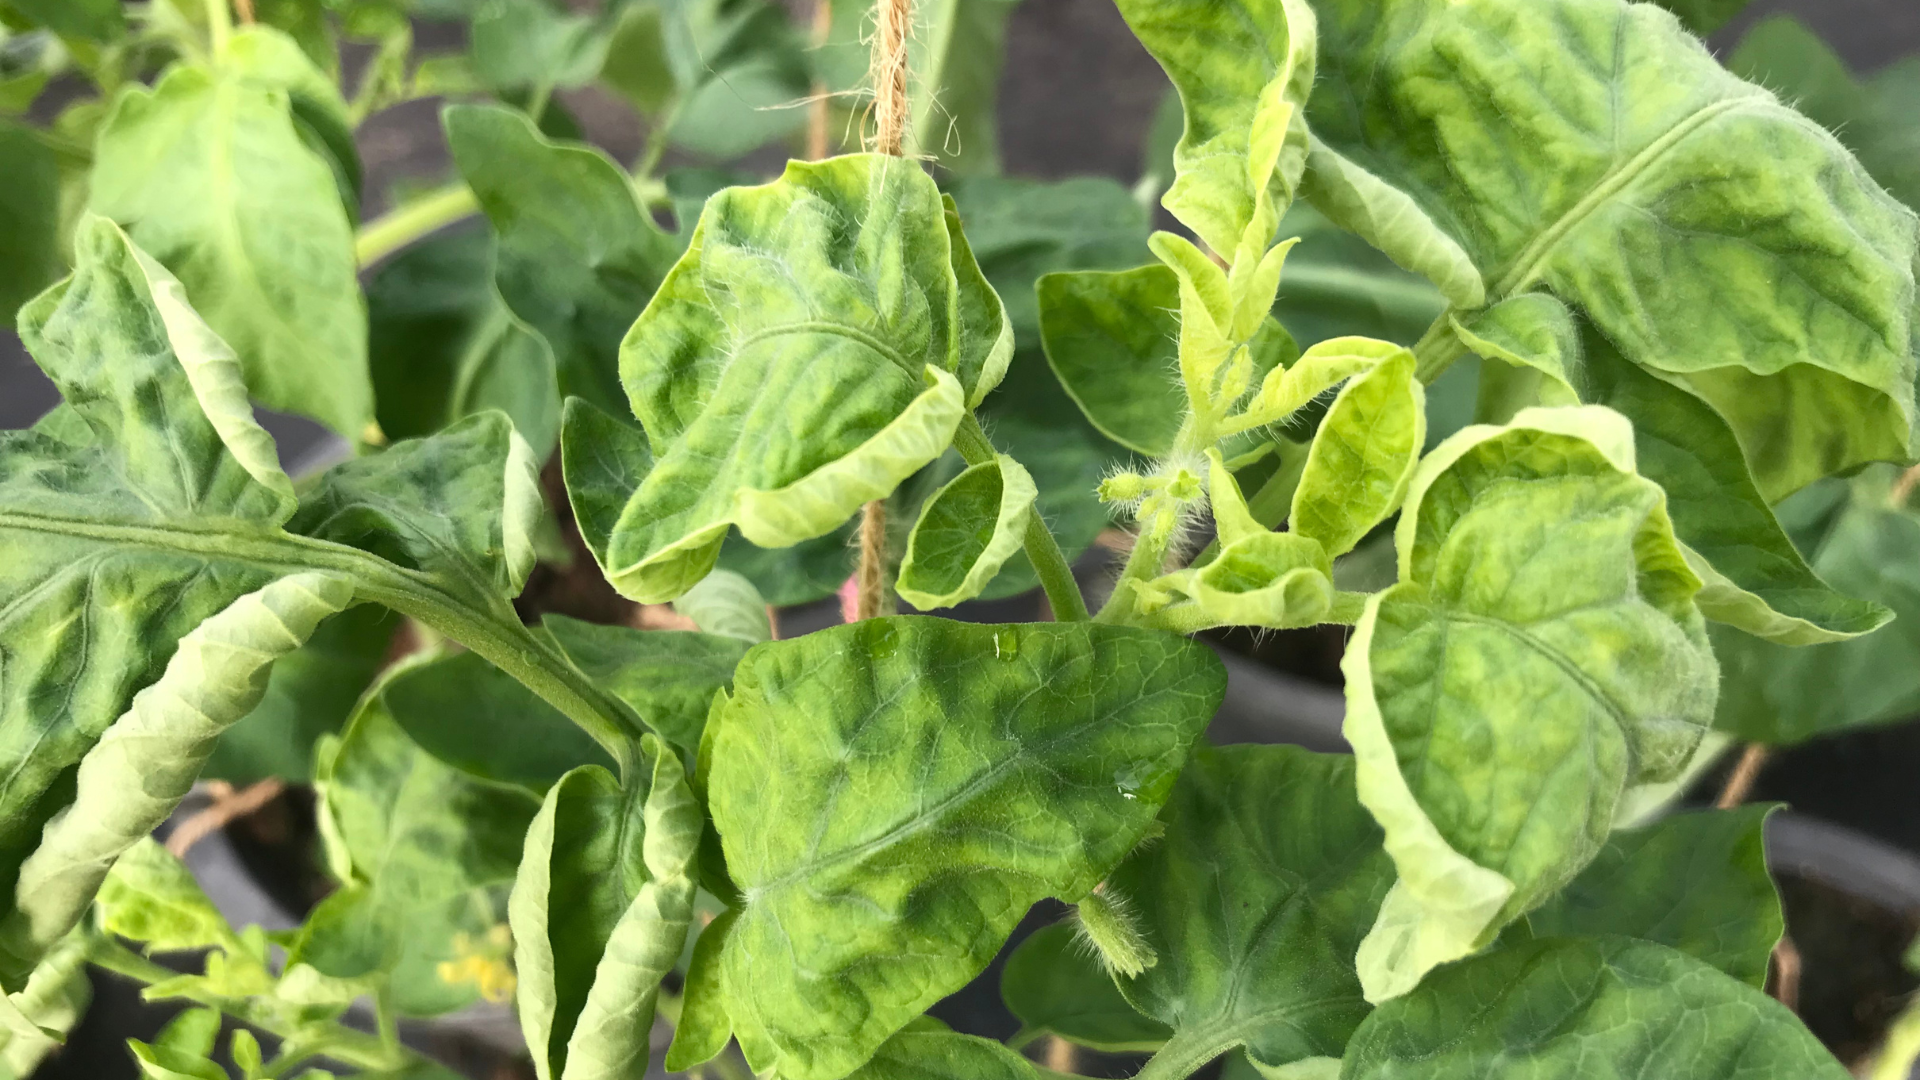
[403, 225]
[219, 25]
[1187, 1053]
[1271, 504]
[1043, 551]
[1437, 349]
[349, 1047]
[1157, 516]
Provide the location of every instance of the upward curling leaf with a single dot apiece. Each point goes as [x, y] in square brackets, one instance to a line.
[1235, 64]
[1720, 239]
[155, 565]
[1541, 653]
[818, 343]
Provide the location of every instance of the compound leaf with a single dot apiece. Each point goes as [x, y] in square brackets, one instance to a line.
[792, 368]
[599, 911]
[1611, 188]
[1596, 1009]
[1038, 755]
[1541, 652]
[1254, 918]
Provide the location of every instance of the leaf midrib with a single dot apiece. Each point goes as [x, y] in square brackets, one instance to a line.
[1529, 263]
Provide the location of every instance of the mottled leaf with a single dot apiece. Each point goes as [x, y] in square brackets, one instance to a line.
[599, 911]
[1717, 237]
[1268, 877]
[1384, 216]
[791, 369]
[1363, 455]
[212, 176]
[1227, 60]
[916, 785]
[669, 677]
[427, 854]
[1541, 652]
[152, 898]
[1592, 1009]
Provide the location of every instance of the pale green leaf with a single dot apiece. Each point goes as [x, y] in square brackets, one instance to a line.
[1536, 343]
[41, 1016]
[927, 1050]
[966, 531]
[1225, 59]
[790, 370]
[130, 781]
[484, 722]
[1053, 985]
[30, 256]
[704, 1028]
[1336, 285]
[1694, 881]
[1363, 455]
[151, 897]
[1033, 772]
[1541, 652]
[443, 345]
[668, 677]
[600, 909]
[1592, 1009]
[212, 177]
[428, 853]
[1615, 191]
[1859, 541]
[1754, 578]
[577, 257]
[727, 604]
[1254, 913]
[1384, 216]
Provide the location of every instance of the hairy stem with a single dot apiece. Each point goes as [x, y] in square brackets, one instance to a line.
[403, 225]
[343, 1044]
[1437, 349]
[1043, 551]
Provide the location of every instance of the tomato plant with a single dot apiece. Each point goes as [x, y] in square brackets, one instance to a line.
[1681, 300]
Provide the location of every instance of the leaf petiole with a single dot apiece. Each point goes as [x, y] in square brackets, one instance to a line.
[405, 224]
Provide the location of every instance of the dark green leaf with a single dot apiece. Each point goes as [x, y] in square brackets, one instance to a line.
[668, 677]
[915, 785]
[482, 721]
[1694, 881]
[927, 1050]
[1055, 986]
[1268, 877]
[98, 20]
[1591, 1009]
[577, 256]
[29, 217]
[443, 346]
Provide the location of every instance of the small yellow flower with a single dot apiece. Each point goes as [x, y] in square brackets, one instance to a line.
[484, 964]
